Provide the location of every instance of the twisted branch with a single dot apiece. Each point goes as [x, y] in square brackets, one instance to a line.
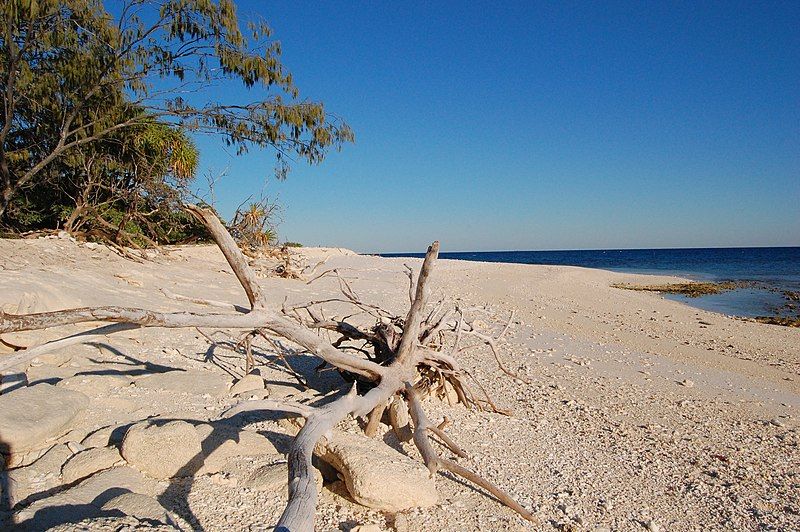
[406, 351]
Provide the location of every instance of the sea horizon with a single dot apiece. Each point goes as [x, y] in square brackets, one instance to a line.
[770, 274]
[554, 250]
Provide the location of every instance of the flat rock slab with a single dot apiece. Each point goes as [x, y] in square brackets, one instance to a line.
[48, 373]
[163, 450]
[22, 483]
[274, 478]
[105, 436]
[377, 476]
[193, 382]
[139, 506]
[89, 462]
[94, 384]
[221, 442]
[84, 500]
[114, 524]
[30, 416]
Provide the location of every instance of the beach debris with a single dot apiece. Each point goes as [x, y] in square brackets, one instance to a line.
[223, 479]
[652, 526]
[779, 320]
[117, 524]
[606, 505]
[371, 527]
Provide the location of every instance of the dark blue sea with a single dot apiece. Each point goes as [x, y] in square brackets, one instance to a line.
[767, 272]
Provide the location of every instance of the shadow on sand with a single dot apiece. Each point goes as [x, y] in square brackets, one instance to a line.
[175, 498]
[5, 485]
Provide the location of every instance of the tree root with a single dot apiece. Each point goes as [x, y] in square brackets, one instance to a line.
[399, 359]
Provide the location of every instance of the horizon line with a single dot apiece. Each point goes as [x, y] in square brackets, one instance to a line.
[580, 249]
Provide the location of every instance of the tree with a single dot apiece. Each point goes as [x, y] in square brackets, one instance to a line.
[72, 75]
[127, 188]
[253, 226]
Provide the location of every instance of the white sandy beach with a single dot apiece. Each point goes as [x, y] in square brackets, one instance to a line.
[641, 413]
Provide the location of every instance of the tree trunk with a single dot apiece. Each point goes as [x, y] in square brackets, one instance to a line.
[5, 199]
[8, 188]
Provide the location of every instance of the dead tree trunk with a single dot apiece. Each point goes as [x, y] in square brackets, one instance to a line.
[399, 369]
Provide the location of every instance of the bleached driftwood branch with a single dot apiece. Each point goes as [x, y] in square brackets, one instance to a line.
[407, 358]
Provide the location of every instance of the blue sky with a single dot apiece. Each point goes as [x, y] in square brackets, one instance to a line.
[527, 125]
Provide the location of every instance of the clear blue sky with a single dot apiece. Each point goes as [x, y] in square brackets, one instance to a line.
[527, 125]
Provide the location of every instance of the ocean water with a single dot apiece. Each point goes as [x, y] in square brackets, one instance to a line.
[768, 272]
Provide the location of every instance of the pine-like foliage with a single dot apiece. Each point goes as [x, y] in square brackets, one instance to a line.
[97, 108]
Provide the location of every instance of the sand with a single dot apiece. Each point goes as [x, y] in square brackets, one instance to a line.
[641, 413]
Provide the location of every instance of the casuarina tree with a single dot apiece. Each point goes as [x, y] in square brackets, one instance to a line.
[73, 74]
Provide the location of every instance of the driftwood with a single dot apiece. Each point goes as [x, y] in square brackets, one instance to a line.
[401, 359]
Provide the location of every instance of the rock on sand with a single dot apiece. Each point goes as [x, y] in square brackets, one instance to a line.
[84, 500]
[89, 462]
[377, 476]
[137, 505]
[163, 450]
[273, 478]
[32, 415]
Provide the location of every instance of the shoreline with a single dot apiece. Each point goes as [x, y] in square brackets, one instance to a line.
[632, 396]
[747, 298]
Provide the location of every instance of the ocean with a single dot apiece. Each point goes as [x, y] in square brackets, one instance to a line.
[767, 272]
